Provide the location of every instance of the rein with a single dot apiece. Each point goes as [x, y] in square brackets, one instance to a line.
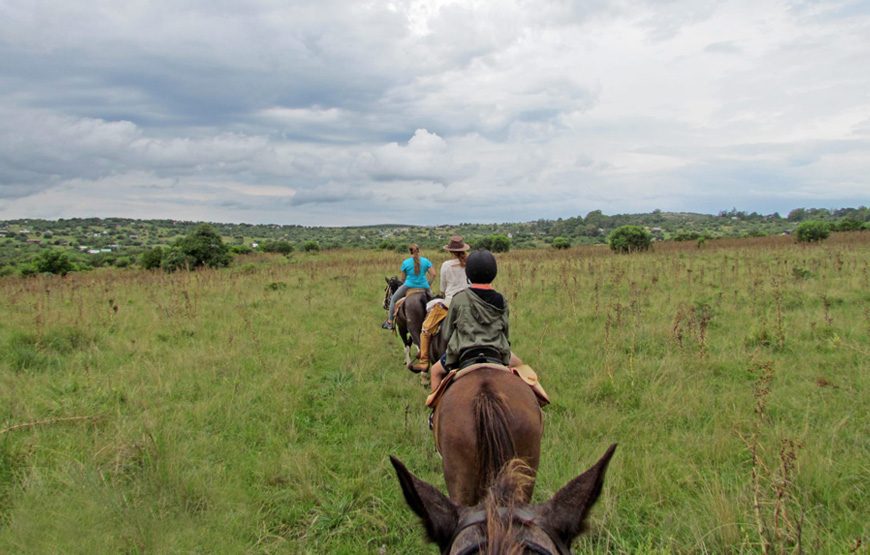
[521, 515]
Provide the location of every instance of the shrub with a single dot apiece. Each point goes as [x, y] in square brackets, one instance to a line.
[629, 238]
[812, 231]
[311, 246]
[686, 236]
[847, 224]
[201, 247]
[561, 243]
[493, 243]
[241, 249]
[152, 258]
[53, 262]
[282, 247]
[175, 259]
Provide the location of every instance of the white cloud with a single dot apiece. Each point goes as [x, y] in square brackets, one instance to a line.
[366, 112]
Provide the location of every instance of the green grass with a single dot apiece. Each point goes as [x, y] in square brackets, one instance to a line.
[252, 409]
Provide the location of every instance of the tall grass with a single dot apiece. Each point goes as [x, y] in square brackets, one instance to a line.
[252, 409]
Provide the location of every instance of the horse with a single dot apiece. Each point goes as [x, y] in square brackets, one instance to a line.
[486, 418]
[409, 321]
[504, 522]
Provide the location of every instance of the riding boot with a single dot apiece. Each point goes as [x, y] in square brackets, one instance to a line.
[423, 364]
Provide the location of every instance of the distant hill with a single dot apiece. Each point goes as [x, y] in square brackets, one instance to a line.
[120, 241]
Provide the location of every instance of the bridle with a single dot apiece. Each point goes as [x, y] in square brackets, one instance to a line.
[521, 516]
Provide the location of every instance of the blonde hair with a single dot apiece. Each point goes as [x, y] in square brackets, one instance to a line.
[414, 249]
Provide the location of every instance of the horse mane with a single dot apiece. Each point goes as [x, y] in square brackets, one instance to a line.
[494, 440]
[507, 492]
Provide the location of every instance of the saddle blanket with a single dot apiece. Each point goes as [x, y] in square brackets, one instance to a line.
[524, 371]
[400, 302]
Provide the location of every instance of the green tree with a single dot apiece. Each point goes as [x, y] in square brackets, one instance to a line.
[561, 243]
[797, 215]
[494, 243]
[174, 259]
[311, 246]
[201, 247]
[847, 224]
[500, 243]
[53, 262]
[813, 231]
[629, 238]
[152, 258]
[282, 247]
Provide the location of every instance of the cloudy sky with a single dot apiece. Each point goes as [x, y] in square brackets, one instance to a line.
[346, 112]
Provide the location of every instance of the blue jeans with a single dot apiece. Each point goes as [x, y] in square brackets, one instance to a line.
[400, 292]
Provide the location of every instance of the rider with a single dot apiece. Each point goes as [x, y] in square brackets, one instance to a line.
[453, 280]
[417, 273]
[476, 327]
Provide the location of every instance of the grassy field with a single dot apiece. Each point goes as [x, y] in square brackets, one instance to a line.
[252, 409]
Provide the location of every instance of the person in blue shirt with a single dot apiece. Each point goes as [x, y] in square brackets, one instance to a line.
[417, 273]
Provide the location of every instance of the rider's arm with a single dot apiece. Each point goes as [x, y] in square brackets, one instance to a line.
[430, 275]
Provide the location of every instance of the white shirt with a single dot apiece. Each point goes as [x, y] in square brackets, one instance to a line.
[453, 279]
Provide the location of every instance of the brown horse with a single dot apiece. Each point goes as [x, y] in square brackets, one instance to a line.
[482, 421]
[504, 522]
[409, 321]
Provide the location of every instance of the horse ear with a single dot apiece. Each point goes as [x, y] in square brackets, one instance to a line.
[387, 279]
[440, 516]
[564, 514]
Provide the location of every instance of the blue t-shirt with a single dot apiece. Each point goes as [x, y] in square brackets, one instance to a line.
[416, 280]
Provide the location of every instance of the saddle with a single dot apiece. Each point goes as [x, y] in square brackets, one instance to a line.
[524, 371]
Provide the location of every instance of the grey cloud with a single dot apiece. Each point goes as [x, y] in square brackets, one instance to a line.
[347, 112]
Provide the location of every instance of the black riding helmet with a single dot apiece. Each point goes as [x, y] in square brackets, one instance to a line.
[480, 267]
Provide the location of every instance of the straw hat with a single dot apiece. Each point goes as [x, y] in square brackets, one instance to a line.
[456, 244]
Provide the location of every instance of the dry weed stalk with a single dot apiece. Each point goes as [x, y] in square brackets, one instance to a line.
[826, 304]
[780, 326]
[772, 494]
[693, 319]
[49, 421]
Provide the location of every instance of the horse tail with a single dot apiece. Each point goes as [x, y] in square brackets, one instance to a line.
[495, 444]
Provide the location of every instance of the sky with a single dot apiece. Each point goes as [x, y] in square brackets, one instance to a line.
[355, 112]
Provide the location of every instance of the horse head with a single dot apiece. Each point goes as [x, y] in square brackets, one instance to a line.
[502, 523]
[393, 283]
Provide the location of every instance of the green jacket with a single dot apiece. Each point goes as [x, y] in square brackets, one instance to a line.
[472, 322]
